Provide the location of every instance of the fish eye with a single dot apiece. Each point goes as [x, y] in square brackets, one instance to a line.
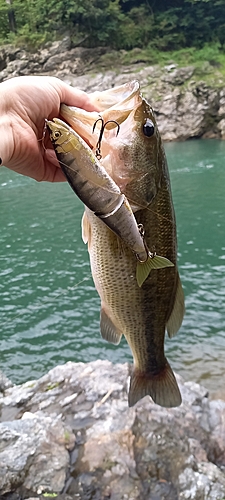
[148, 128]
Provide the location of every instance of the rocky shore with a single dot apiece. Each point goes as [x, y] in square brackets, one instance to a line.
[187, 105]
[71, 435]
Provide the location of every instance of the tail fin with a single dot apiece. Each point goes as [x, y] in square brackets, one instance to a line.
[162, 387]
[144, 268]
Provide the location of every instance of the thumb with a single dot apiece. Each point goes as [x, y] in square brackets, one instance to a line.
[74, 97]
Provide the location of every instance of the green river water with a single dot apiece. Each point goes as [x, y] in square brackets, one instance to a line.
[49, 308]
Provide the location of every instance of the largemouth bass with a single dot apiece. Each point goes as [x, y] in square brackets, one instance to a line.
[136, 161]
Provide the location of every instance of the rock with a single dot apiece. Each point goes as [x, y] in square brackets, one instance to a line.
[71, 434]
[55, 62]
[33, 454]
[53, 49]
[221, 127]
[178, 75]
[59, 46]
[5, 383]
[3, 62]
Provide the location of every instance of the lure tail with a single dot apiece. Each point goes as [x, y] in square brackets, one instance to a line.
[154, 262]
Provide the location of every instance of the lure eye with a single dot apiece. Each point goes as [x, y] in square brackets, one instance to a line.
[148, 128]
[57, 134]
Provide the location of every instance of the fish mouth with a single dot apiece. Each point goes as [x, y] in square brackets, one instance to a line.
[120, 95]
[115, 105]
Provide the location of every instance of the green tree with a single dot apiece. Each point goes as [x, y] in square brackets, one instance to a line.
[119, 24]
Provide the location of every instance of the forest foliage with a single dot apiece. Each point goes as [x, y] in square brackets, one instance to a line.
[163, 25]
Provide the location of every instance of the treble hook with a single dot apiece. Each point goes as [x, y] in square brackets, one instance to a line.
[98, 145]
[113, 121]
[142, 233]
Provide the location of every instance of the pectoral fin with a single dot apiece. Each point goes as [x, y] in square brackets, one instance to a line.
[176, 317]
[109, 331]
[144, 268]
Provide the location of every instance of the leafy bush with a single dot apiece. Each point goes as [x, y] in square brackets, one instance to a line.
[119, 24]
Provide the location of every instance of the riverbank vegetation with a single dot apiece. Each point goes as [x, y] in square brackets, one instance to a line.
[160, 30]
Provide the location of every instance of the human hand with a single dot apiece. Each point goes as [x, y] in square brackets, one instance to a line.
[25, 102]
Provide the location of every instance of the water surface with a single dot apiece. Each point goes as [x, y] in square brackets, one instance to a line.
[49, 308]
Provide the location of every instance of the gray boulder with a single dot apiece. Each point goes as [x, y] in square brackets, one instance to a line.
[72, 435]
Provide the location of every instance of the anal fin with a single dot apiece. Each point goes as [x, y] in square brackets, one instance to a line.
[162, 387]
[144, 268]
[109, 331]
[175, 320]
